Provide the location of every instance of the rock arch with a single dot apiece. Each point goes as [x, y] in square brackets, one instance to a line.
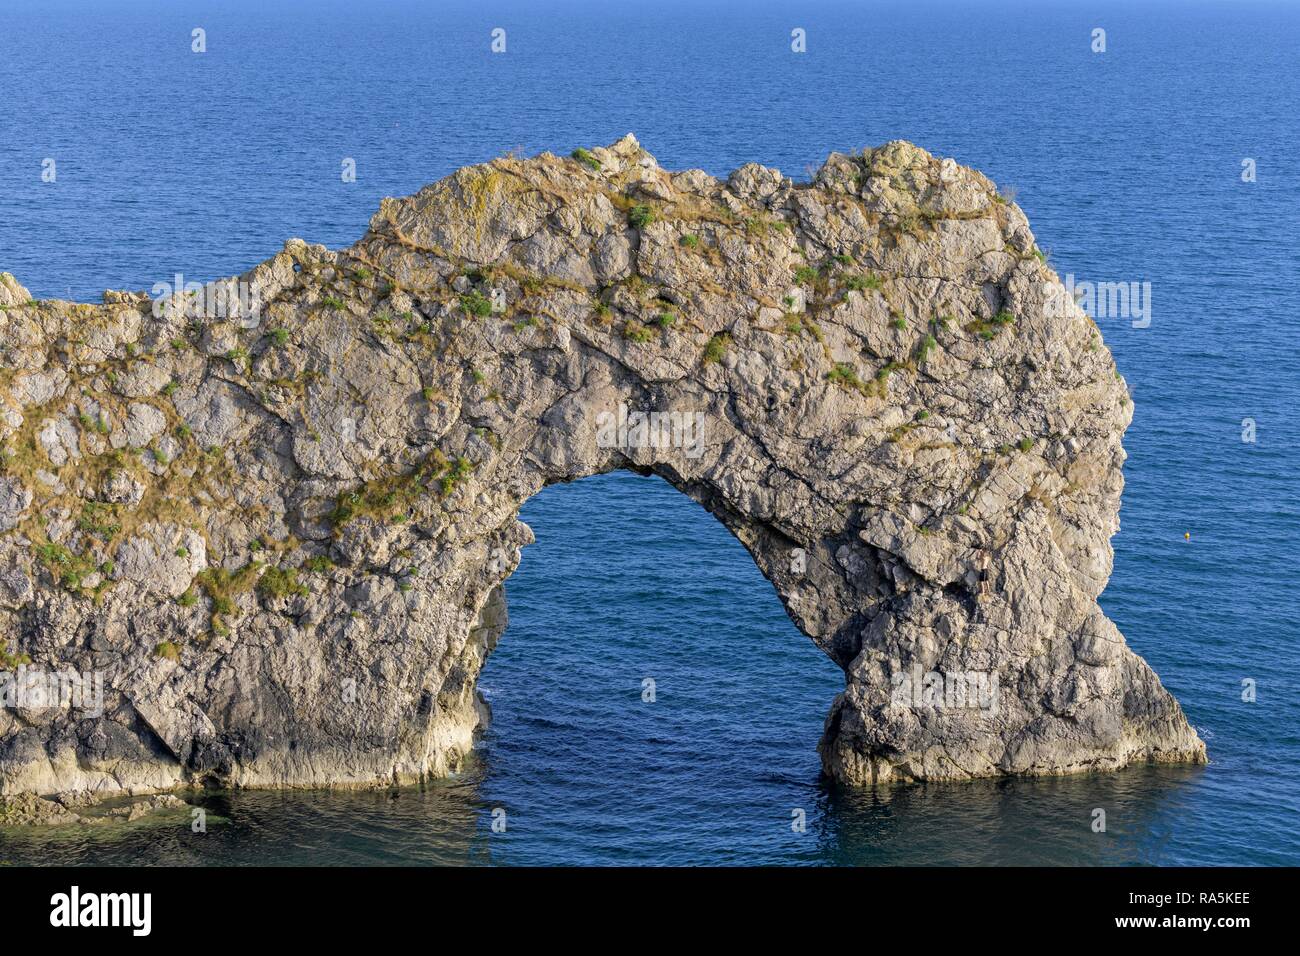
[276, 520]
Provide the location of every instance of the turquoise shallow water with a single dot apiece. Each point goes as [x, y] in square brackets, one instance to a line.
[1128, 165]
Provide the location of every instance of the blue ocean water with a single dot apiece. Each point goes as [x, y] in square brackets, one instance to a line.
[1128, 164]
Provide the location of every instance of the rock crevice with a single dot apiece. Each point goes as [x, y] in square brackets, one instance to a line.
[273, 516]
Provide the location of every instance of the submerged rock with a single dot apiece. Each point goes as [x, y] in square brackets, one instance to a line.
[274, 522]
[82, 809]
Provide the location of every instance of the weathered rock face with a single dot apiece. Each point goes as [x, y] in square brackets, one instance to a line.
[276, 526]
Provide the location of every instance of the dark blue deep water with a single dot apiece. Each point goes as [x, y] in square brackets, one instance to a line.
[1129, 166]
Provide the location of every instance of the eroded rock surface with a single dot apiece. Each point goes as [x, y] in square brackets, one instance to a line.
[278, 533]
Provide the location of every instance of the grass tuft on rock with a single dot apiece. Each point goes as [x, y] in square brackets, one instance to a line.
[716, 348]
[640, 216]
[585, 157]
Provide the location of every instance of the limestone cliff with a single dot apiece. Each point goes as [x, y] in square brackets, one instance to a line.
[275, 522]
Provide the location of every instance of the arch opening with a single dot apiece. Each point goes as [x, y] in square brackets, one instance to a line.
[646, 655]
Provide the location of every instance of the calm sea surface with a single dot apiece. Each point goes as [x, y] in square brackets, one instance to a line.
[1129, 166]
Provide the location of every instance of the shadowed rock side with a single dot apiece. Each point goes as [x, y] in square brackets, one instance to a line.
[281, 538]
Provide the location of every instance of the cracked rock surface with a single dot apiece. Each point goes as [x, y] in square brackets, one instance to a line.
[274, 516]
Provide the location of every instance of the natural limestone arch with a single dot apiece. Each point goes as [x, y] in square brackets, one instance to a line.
[276, 521]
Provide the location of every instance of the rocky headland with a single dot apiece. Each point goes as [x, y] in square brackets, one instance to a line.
[255, 535]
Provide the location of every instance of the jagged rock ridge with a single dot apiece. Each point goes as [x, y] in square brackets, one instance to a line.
[279, 533]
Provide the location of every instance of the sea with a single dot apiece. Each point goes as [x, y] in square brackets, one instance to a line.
[1154, 143]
